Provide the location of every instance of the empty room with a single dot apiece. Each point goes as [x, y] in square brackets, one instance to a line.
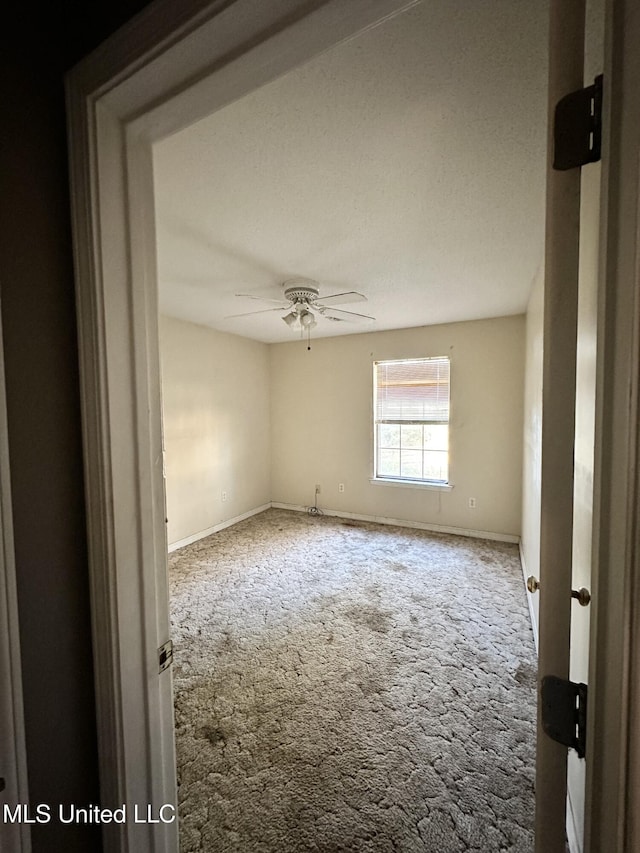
[350, 271]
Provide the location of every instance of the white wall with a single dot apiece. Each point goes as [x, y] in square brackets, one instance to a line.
[321, 415]
[532, 449]
[215, 391]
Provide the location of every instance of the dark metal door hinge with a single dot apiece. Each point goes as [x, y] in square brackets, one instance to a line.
[577, 128]
[165, 656]
[564, 712]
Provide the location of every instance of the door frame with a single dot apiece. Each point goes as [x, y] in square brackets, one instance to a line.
[613, 735]
[171, 65]
[13, 756]
[168, 67]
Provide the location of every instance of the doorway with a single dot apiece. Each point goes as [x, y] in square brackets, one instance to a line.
[292, 171]
[118, 338]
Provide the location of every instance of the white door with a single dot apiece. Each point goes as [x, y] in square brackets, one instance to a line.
[569, 395]
[584, 456]
[612, 801]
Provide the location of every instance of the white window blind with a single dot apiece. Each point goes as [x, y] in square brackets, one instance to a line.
[411, 412]
[413, 391]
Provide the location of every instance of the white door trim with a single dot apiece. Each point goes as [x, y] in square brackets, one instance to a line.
[173, 64]
[13, 758]
[613, 736]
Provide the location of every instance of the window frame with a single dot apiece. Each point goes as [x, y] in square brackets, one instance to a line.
[408, 482]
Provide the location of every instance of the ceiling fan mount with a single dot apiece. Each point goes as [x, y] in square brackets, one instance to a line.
[301, 290]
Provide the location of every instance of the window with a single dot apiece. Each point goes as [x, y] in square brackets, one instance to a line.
[411, 412]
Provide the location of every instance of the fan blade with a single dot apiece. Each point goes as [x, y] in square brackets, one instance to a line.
[251, 313]
[345, 315]
[262, 299]
[343, 298]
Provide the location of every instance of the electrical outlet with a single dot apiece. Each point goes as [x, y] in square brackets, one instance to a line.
[341, 487]
[472, 503]
[224, 496]
[317, 488]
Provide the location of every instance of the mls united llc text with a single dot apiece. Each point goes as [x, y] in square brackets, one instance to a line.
[44, 813]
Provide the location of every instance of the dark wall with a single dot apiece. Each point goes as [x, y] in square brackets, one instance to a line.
[41, 366]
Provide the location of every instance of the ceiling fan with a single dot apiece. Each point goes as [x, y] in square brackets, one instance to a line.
[304, 305]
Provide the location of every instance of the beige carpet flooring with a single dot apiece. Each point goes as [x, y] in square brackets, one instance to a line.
[346, 686]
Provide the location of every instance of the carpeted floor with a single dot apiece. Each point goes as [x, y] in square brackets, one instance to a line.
[345, 686]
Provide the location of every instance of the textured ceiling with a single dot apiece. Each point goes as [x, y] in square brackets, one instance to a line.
[406, 164]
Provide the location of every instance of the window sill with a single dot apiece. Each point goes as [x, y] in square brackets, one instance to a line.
[411, 484]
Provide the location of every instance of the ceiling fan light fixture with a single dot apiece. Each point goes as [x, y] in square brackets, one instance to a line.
[307, 320]
[290, 319]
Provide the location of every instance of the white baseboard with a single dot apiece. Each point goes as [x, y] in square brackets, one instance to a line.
[377, 519]
[532, 615]
[188, 540]
[399, 522]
